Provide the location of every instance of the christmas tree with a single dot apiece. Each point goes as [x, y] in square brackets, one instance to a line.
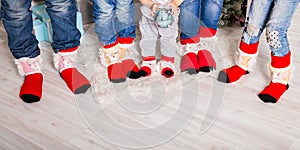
[233, 10]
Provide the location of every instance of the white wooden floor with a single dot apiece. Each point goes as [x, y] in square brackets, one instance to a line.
[238, 119]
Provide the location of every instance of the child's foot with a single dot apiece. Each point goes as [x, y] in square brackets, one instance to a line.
[280, 68]
[244, 64]
[206, 61]
[231, 74]
[31, 90]
[111, 58]
[129, 66]
[64, 61]
[189, 60]
[167, 68]
[273, 92]
[147, 68]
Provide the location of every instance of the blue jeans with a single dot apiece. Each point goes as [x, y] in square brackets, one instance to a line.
[275, 16]
[194, 13]
[17, 21]
[113, 19]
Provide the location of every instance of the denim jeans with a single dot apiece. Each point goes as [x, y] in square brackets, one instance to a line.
[113, 19]
[17, 21]
[194, 13]
[275, 16]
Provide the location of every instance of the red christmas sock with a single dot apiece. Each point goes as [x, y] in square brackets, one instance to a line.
[65, 62]
[231, 74]
[273, 92]
[147, 66]
[278, 85]
[131, 69]
[206, 61]
[189, 60]
[167, 66]
[31, 90]
[116, 73]
[76, 82]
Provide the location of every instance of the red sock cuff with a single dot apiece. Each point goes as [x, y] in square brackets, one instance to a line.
[249, 48]
[207, 32]
[110, 45]
[195, 39]
[125, 40]
[281, 62]
[166, 58]
[69, 49]
[148, 58]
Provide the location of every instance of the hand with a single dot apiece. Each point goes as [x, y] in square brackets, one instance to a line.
[173, 5]
[154, 8]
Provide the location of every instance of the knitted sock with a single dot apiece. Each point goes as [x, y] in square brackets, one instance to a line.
[116, 73]
[273, 92]
[280, 68]
[31, 89]
[64, 61]
[148, 66]
[189, 60]
[130, 68]
[231, 74]
[247, 54]
[206, 61]
[167, 66]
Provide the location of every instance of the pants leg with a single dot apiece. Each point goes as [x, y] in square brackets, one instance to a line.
[149, 33]
[210, 13]
[63, 20]
[278, 24]
[124, 22]
[189, 18]
[17, 20]
[168, 39]
[256, 21]
[104, 16]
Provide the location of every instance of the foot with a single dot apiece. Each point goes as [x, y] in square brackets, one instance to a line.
[206, 61]
[231, 74]
[273, 92]
[147, 68]
[189, 60]
[167, 69]
[31, 89]
[64, 61]
[112, 58]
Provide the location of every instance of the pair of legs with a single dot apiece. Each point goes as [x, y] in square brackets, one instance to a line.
[274, 16]
[17, 20]
[150, 33]
[114, 24]
[198, 24]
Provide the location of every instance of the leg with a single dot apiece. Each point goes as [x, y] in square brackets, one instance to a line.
[17, 20]
[124, 23]
[63, 21]
[125, 28]
[210, 15]
[258, 15]
[277, 27]
[189, 39]
[65, 43]
[149, 33]
[168, 48]
[104, 15]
